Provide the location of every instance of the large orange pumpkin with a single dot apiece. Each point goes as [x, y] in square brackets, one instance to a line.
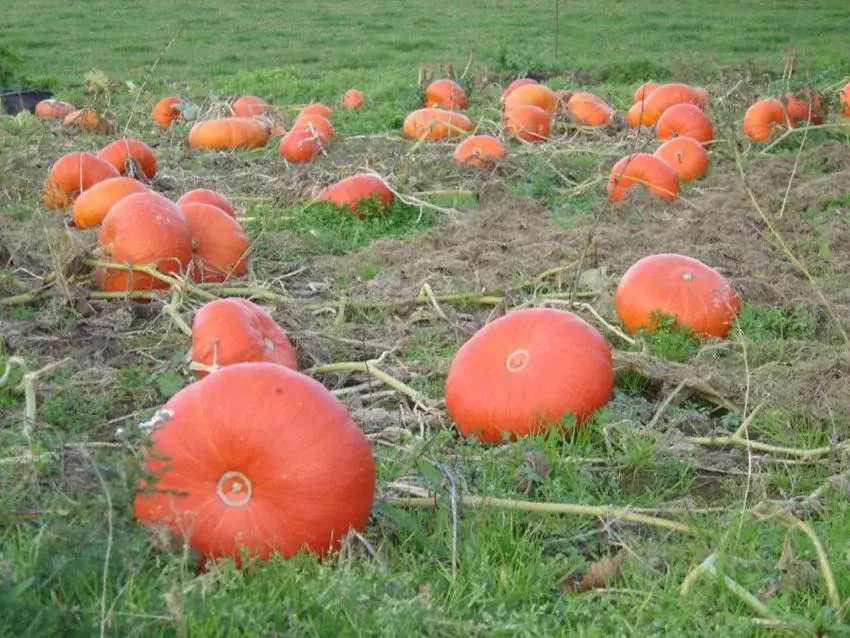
[93, 204]
[316, 108]
[229, 331]
[528, 122]
[844, 100]
[685, 120]
[589, 109]
[88, 120]
[144, 229]
[207, 196]
[353, 99]
[479, 151]
[446, 94]
[71, 175]
[538, 95]
[139, 154]
[687, 157]
[250, 106]
[635, 116]
[762, 117]
[229, 133]
[805, 106]
[525, 371]
[665, 96]
[53, 110]
[432, 124]
[166, 111]
[257, 458]
[642, 168]
[643, 90]
[219, 245]
[696, 295]
[513, 86]
[317, 124]
[349, 192]
[299, 146]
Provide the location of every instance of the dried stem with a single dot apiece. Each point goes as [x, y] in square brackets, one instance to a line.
[707, 567]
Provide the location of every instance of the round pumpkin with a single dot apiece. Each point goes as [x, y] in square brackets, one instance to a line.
[635, 117]
[53, 110]
[207, 196]
[257, 458]
[139, 155]
[805, 106]
[349, 192]
[479, 151]
[513, 86]
[696, 295]
[524, 372]
[144, 229]
[844, 100]
[642, 168]
[590, 109]
[316, 124]
[446, 94]
[353, 99]
[71, 175]
[316, 108]
[665, 96]
[762, 117]
[685, 120]
[432, 124]
[228, 133]
[88, 120]
[687, 157]
[93, 204]
[219, 245]
[643, 90]
[166, 111]
[299, 146]
[528, 122]
[538, 95]
[230, 331]
[249, 106]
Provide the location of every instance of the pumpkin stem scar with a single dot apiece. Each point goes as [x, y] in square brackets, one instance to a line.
[517, 360]
[234, 489]
[687, 276]
[269, 344]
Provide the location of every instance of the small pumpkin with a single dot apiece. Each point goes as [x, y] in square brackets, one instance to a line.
[299, 146]
[513, 86]
[250, 106]
[589, 109]
[665, 96]
[538, 95]
[93, 204]
[353, 99]
[446, 94]
[51, 109]
[687, 157]
[316, 124]
[479, 151]
[431, 124]
[643, 90]
[228, 133]
[685, 120]
[349, 192]
[524, 372]
[257, 458]
[696, 295]
[844, 100]
[805, 106]
[762, 118]
[642, 168]
[71, 175]
[130, 154]
[207, 196]
[230, 331]
[219, 245]
[89, 121]
[166, 111]
[316, 108]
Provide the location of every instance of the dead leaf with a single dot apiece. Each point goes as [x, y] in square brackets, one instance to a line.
[600, 574]
[533, 471]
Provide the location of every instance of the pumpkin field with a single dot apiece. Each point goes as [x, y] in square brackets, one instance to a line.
[425, 319]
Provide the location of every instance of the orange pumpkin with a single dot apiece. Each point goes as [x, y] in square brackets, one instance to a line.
[513, 86]
[687, 157]
[805, 106]
[635, 117]
[642, 168]
[299, 146]
[166, 111]
[537, 95]
[230, 331]
[92, 205]
[257, 458]
[219, 245]
[349, 192]
[71, 175]
[446, 94]
[144, 229]
[315, 124]
[249, 106]
[316, 108]
[643, 90]
[522, 373]
[479, 151]
[89, 121]
[685, 120]
[590, 109]
[353, 99]
[53, 110]
[762, 117]
[844, 100]
[207, 196]
[528, 122]
[228, 133]
[134, 154]
[665, 96]
[432, 124]
[696, 295]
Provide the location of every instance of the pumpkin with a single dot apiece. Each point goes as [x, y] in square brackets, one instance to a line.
[249, 106]
[642, 168]
[88, 120]
[229, 331]
[92, 205]
[528, 122]
[446, 94]
[132, 154]
[563, 96]
[207, 196]
[257, 458]
[643, 90]
[665, 96]
[299, 146]
[635, 117]
[479, 151]
[353, 99]
[687, 157]
[228, 133]
[316, 108]
[349, 192]
[762, 117]
[524, 372]
[432, 124]
[537, 95]
[144, 229]
[590, 109]
[53, 110]
[703, 96]
[805, 106]
[219, 245]
[166, 111]
[513, 86]
[844, 100]
[71, 175]
[684, 120]
[696, 295]
[316, 124]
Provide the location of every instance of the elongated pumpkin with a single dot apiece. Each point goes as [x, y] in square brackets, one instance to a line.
[642, 168]
[93, 204]
[130, 154]
[219, 245]
[686, 156]
[349, 192]
[430, 124]
[228, 133]
[71, 175]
